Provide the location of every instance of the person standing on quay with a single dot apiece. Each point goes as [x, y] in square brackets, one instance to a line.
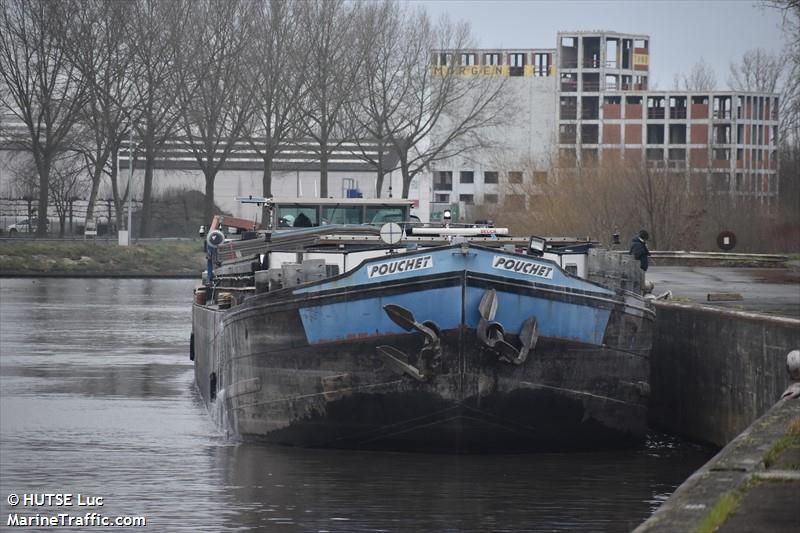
[639, 249]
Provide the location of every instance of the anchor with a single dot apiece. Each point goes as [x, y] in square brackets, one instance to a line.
[492, 333]
[428, 358]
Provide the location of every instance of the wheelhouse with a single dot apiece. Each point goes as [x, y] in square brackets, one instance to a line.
[303, 212]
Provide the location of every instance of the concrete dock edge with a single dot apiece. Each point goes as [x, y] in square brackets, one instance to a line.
[734, 468]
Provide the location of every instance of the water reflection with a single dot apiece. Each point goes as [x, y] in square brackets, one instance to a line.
[96, 397]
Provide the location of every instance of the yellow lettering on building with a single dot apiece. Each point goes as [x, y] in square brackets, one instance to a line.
[470, 70]
[641, 59]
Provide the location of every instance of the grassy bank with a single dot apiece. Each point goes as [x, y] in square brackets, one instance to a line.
[95, 258]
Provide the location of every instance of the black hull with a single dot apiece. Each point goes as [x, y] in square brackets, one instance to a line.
[272, 386]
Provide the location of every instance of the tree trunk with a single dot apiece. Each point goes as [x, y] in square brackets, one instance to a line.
[44, 183]
[381, 173]
[62, 221]
[406, 177]
[379, 182]
[323, 170]
[145, 226]
[208, 206]
[96, 176]
[266, 189]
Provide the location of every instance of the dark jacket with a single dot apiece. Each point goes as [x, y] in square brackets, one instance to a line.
[639, 251]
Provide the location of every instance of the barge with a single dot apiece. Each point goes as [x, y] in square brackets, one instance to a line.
[360, 328]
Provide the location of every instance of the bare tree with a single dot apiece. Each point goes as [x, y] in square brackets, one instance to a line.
[67, 182]
[216, 104]
[332, 66]
[103, 59]
[441, 113]
[278, 83]
[383, 94]
[42, 86]
[155, 36]
[757, 71]
[701, 77]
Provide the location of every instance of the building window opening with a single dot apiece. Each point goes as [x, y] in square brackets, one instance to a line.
[490, 198]
[569, 82]
[722, 107]
[722, 134]
[655, 154]
[591, 81]
[516, 63]
[468, 60]
[541, 65]
[567, 134]
[612, 51]
[515, 176]
[721, 154]
[441, 198]
[569, 107]
[591, 52]
[491, 59]
[590, 133]
[640, 83]
[443, 180]
[677, 107]
[590, 107]
[655, 134]
[490, 177]
[640, 43]
[445, 59]
[466, 198]
[677, 154]
[627, 53]
[466, 176]
[612, 82]
[677, 133]
[568, 54]
[655, 107]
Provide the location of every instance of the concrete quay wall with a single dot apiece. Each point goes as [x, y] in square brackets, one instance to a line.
[714, 371]
[767, 493]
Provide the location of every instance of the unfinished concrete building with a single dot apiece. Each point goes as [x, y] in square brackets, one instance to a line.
[602, 107]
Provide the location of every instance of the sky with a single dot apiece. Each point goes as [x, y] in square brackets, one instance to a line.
[681, 31]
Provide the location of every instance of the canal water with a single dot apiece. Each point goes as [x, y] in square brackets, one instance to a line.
[96, 398]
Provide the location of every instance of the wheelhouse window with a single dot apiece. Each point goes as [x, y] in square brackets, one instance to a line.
[384, 214]
[297, 216]
[340, 214]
